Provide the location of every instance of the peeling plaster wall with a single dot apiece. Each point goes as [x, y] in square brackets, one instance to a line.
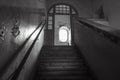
[101, 54]
[11, 48]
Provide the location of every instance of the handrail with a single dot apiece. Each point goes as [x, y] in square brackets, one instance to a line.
[16, 73]
[18, 50]
[96, 27]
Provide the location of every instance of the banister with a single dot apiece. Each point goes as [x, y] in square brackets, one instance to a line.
[16, 73]
[100, 29]
[18, 51]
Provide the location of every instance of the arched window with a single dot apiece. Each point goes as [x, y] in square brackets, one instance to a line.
[62, 9]
[57, 15]
[59, 9]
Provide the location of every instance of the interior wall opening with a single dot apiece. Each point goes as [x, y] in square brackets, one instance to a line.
[60, 24]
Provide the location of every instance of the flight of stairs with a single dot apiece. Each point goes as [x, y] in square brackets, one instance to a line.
[61, 63]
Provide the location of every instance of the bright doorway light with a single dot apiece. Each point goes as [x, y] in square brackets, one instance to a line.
[63, 35]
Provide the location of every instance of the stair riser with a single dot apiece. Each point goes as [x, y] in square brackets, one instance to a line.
[61, 63]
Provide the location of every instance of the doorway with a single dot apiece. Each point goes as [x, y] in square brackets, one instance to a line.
[62, 30]
[64, 35]
[60, 24]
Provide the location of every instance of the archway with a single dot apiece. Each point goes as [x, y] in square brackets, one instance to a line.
[61, 15]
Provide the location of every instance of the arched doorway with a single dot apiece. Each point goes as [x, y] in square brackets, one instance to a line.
[60, 23]
[64, 35]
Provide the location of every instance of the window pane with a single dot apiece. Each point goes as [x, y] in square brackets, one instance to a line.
[49, 22]
[49, 26]
[64, 6]
[60, 6]
[57, 11]
[67, 11]
[50, 18]
[68, 7]
[61, 9]
[64, 11]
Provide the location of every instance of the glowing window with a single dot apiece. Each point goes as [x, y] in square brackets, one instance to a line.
[63, 35]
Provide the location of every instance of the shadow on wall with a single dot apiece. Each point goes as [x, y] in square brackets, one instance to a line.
[101, 54]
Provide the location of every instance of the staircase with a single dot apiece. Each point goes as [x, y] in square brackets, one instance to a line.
[61, 63]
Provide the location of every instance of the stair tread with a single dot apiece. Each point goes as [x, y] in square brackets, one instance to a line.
[61, 63]
[65, 78]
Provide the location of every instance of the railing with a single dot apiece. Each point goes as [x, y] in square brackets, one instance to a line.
[96, 27]
[16, 73]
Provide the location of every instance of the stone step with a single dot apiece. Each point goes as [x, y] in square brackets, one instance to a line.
[61, 63]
